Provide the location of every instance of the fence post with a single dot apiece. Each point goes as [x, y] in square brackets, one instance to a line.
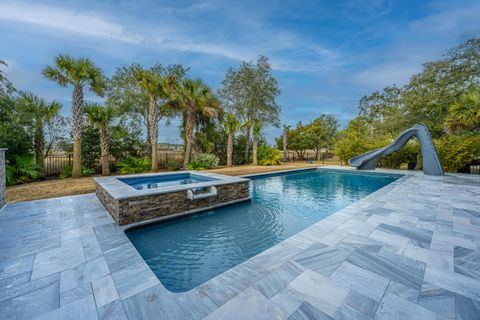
[2, 177]
[166, 160]
[69, 159]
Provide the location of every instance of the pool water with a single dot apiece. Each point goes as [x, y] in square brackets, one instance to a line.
[188, 251]
[159, 181]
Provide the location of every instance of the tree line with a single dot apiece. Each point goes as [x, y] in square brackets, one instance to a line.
[445, 96]
[135, 99]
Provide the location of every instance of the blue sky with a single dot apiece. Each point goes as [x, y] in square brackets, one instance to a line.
[325, 54]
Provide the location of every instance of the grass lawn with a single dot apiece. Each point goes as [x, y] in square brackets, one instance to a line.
[67, 187]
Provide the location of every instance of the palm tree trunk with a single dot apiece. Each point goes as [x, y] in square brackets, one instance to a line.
[39, 144]
[254, 150]
[77, 129]
[153, 125]
[247, 142]
[229, 149]
[149, 144]
[104, 151]
[190, 123]
[285, 144]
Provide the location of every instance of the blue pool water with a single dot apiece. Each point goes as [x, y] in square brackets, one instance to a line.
[188, 251]
[159, 181]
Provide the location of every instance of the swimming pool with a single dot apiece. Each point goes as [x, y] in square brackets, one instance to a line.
[188, 251]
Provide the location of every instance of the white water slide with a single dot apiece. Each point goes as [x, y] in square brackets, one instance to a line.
[431, 163]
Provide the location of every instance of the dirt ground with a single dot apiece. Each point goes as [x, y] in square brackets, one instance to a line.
[66, 187]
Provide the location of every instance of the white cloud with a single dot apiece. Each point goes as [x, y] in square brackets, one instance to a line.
[174, 34]
[450, 21]
[63, 20]
[379, 76]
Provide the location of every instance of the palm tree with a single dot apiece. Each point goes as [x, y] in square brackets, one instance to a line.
[79, 73]
[194, 98]
[41, 112]
[231, 126]
[464, 114]
[100, 117]
[157, 87]
[257, 128]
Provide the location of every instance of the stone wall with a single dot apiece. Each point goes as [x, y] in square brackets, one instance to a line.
[143, 208]
[2, 177]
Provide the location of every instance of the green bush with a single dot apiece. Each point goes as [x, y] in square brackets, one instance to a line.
[457, 152]
[21, 169]
[408, 154]
[67, 172]
[174, 165]
[132, 165]
[204, 161]
[268, 156]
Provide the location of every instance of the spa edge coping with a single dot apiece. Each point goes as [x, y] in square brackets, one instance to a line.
[119, 190]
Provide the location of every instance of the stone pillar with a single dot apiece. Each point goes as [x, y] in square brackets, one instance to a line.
[2, 177]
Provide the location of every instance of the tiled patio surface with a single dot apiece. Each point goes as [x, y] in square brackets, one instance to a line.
[408, 251]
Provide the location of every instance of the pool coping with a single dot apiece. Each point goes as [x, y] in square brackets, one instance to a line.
[119, 190]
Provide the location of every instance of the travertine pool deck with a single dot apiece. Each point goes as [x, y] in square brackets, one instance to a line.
[411, 250]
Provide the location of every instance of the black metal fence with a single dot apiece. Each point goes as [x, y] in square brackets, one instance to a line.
[55, 164]
[475, 169]
[310, 156]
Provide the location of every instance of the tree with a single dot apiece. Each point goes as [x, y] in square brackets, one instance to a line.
[159, 88]
[323, 131]
[79, 73]
[355, 139]
[257, 128]
[231, 126]
[464, 114]
[194, 98]
[42, 115]
[284, 141]
[300, 139]
[250, 93]
[101, 117]
[15, 133]
[126, 93]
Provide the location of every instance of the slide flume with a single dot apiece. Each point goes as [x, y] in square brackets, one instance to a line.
[431, 162]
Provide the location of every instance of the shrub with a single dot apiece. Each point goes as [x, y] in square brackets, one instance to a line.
[21, 169]
[173, 165]
[67, 172]
[408, 154]
[456, 153]
[204, 161]
[132, 165]
[268, 156]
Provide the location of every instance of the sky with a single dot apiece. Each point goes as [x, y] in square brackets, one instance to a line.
[325, 54]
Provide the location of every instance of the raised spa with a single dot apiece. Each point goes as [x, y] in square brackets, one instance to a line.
[146, 197]
[187, 251]
[159, 181]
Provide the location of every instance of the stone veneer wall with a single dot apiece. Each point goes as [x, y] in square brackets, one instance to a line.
[143, 208]
[2, 177]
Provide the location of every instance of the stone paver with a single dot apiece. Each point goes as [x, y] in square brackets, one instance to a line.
[408, 251]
